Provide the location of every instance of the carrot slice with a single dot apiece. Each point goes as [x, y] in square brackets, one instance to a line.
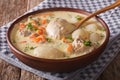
[22, 25]
[70, 47]
[44, 15]
[64, 40]
[41, 28]
[37, 39]
[32, 35]
[44, 21]
[40, 32]
[43, 38]
[40, 38]
[22, 42]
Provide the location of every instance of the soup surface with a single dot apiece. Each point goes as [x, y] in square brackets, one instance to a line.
[52, 35]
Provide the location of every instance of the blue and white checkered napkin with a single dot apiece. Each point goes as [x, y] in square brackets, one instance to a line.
[92, 71]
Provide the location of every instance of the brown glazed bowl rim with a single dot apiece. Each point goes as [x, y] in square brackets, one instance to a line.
[56, 60]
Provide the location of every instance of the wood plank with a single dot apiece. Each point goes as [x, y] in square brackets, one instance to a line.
[8, 72]
[33, 3]
[25, 75]
[9, 10]
[112, 72]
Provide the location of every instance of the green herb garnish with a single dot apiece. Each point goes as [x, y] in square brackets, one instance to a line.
[38, 23]
[69, 37]
[103, 29]
[49, 39]
[30, 27]
[29, 48]
[78, 17]
[97, 43]
[14, 41]
[87, 43]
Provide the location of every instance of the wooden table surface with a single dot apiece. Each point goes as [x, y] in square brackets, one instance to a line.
[11, 9]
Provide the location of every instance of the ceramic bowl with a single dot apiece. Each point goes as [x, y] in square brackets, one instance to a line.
[57, 65]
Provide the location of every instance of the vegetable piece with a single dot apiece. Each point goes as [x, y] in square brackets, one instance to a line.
[37, 39]
[40, 38]
[44, 21]
[43, 38]
[40, 32]
[31, 48]
[41, 28]
[78, 17]
[87, 43]
[70, 47]
[14, 41]
[69, 37]
[29, 26]
[22, 25]
[28, 48]
[22, 42]
[49, 39]
[33, 35]
[64, 40]
[48, 14]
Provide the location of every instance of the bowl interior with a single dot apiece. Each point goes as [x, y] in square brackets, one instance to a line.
[57, 9]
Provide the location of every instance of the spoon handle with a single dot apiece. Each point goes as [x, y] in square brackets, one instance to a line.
[117, 3]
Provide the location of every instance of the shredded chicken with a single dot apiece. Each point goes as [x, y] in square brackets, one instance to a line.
[25, 33]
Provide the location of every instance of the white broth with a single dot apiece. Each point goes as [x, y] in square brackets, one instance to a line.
[52, 35]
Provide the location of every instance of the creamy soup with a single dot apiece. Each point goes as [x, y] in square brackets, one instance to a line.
[52, 35]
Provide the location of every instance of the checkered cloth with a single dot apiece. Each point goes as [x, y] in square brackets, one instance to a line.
[92, 71]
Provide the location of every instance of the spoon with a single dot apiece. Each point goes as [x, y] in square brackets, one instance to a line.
[117, 3]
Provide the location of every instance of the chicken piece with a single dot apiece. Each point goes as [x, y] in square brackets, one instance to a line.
[59, 27]
[94, 37]
[78, 45]
[48, 52]
[91, 27]
[25, 33]
[80, 34]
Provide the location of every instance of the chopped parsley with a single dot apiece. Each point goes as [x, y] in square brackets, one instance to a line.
[14, 41]
[29, 48]
[38, 23]
[69, 37]
[97, 43]
[87, 43]
[103, 29]
[49, 39]
[78, 17]
[30, 27]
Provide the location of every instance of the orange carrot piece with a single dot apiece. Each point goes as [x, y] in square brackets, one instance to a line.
[37, 39]
[70, 47]
[43, 38]
[44, 21]
[40, 38]
[41, 28]
[32, 35]
[40, 32]
[22, 25]
[22, 42]
[44, 15]
[64, 40]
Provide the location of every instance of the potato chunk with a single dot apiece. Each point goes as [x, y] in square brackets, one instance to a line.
[48, 52]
